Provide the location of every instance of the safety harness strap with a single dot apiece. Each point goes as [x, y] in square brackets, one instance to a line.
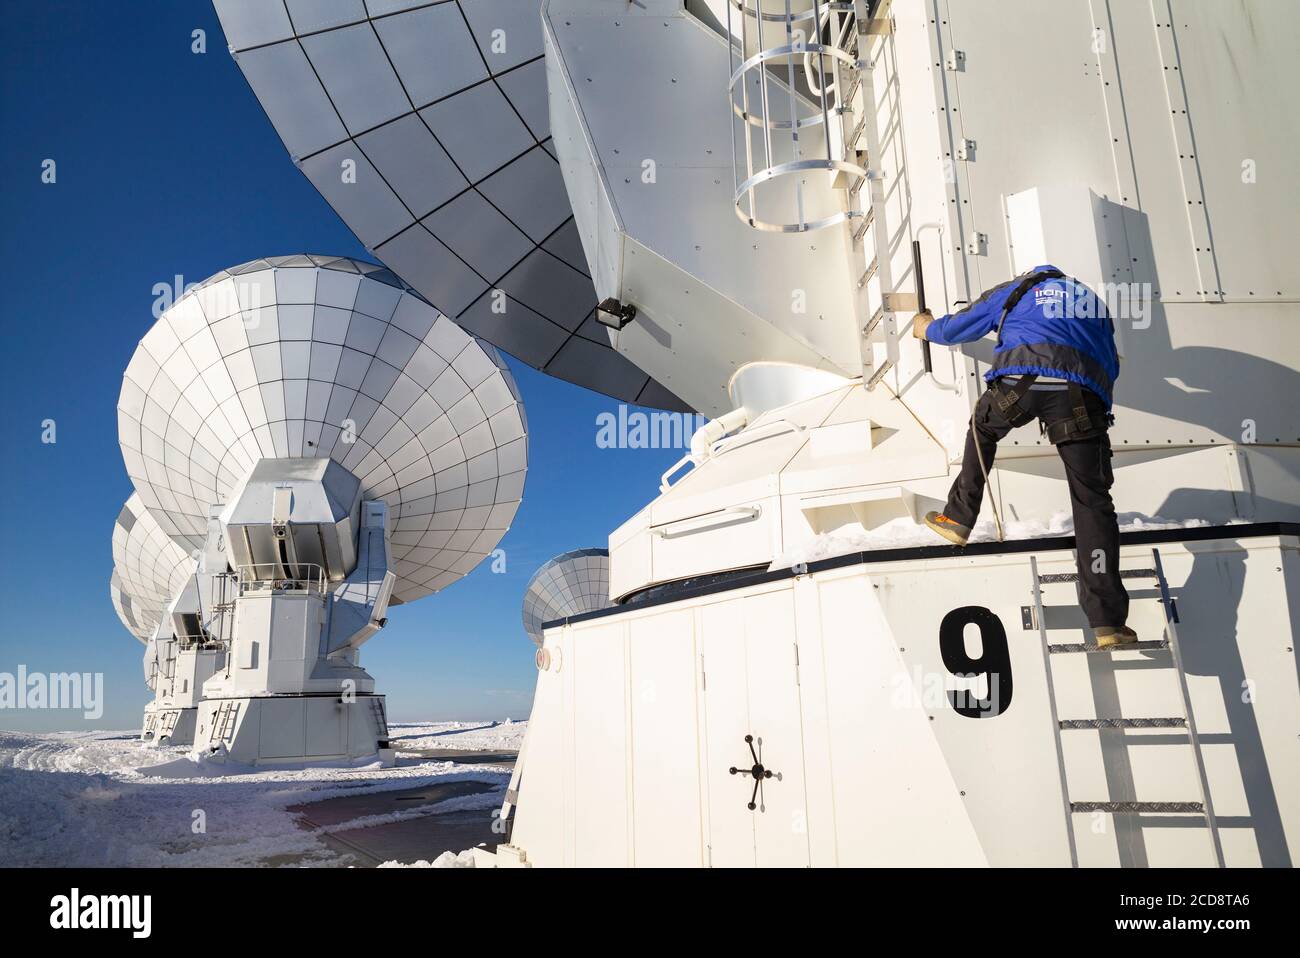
[1082, 419]
[1026, 284]
[1007, 399]
[1081, 424]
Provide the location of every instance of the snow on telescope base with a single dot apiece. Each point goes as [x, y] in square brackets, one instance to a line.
[903, 533]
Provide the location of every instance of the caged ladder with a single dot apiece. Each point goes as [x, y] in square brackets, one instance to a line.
[830, 129]
[1186, 721]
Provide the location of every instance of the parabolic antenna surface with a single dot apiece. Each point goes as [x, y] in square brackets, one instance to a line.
[569, 584]
[149, 568]
[426, 127]
[327, 357]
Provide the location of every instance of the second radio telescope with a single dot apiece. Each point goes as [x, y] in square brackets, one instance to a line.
[149, 569]
[327, 357]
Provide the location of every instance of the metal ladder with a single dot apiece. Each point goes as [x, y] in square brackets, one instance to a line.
[871, 232]
[836, 35]
[1169, 642]
[381, 720]
[227, 713]
[168, 724]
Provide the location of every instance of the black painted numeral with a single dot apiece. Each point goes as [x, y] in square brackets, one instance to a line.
[994, 662]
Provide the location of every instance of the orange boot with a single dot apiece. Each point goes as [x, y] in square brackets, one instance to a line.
[954, 532]
[1109, 636]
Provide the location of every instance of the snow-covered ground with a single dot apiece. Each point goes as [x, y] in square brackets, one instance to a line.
[903, 533]
[80, 798]
[463, 859]
[501, 736]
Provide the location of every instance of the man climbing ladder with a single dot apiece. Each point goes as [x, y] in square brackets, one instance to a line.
[1055, 360]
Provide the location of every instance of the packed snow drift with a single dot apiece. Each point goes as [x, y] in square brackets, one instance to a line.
[87, 799]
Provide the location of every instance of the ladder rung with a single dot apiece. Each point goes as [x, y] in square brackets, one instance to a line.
[1146, 646]
[1074, 576]
[879, 373]
[853, 88]
[1058, 577]
[852, 142]
[871, 271]
[1123, 723]
[1137, 808]
[876, 317]
[867, 219]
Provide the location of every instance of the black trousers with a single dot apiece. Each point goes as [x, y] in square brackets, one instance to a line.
[1088, 473]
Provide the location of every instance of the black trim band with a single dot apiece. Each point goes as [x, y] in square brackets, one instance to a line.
[743, 578]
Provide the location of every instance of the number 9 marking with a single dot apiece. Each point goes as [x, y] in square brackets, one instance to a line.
[994, 661]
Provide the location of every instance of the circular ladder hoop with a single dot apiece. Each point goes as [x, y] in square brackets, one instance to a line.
[786, 50]
[755, 11]
[780, 152]
[794, 168]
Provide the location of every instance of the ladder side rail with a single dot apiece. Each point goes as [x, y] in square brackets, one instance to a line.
[1051, 705]
[880, 266]
[1198, 757]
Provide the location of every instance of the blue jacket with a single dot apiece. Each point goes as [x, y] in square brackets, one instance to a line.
[1059, 328]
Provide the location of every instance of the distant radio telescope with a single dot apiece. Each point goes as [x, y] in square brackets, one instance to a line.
[148, 569]
[325, 357]
[327, 445]
[569, 584]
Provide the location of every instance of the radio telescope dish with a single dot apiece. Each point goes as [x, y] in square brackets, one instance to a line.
[148, 569]
[441, 112]
[327, 357]
[569, 584]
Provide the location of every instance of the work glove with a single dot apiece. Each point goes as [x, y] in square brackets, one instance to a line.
[922, 322]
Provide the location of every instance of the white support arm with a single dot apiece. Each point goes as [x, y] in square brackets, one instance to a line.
[704, 438]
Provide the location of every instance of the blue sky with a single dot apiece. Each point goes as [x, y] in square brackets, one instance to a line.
[166, 165]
